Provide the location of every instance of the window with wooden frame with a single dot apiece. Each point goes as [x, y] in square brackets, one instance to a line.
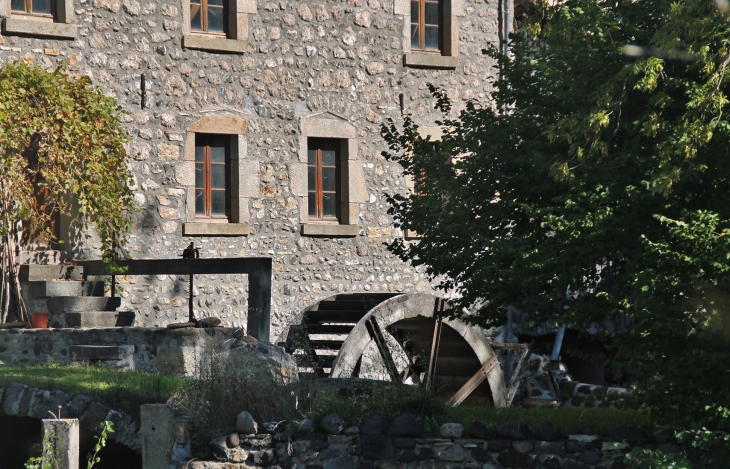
[212, 183]
[427, 25]
[42, 9]
[209, 16]
[323, 174]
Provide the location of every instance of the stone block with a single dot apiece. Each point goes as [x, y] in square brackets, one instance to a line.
[157, 435]
[298, 179]
[228, 124]
[185, 173]
[245, 6]
[61, 439]
[40, 28]
[425, 60]
[193, 41]
[38, 272]
[72, 304]
[76, 407]
[329, 230]
[12, 399]
[39, 404]
[215, 229]
[357, 190]
[101, 352]
[93, 319]
[94, 415]
[51, 288]
[245, 181]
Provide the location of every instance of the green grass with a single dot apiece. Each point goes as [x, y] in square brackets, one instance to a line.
[120, 390]
[127, 390]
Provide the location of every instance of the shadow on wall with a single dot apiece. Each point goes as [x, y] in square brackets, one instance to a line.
[20, 439]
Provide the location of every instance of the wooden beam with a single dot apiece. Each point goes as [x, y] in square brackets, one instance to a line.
[377, 335]
[473, 382]
[514, 382]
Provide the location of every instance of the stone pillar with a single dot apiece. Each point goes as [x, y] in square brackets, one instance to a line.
[157, 434]
[61, 442]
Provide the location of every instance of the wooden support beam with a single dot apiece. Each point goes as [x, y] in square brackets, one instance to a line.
[473, 382]
[514, 382]
[377, 335]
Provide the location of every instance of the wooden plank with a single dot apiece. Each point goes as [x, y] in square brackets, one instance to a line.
[508, 346]
[438, 307]
[514, 382]
[473, 382]
[377, 335]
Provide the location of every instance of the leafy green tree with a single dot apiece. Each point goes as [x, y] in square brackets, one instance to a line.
[593, 188]
[62, 151]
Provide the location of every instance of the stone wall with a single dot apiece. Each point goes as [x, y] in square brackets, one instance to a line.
[162, 350]
[292, 60]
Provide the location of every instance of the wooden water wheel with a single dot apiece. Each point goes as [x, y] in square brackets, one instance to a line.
[398, 337]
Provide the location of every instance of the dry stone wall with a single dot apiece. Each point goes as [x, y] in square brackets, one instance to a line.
[301, 58]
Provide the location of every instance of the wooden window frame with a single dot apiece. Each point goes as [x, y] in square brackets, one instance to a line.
[203, 140]
[420, 22]
[317, 193]
[204, 18]
[28, 11]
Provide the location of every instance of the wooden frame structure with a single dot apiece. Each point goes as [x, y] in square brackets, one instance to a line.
[204, 8]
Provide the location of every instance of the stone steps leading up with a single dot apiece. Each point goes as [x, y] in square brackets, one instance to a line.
[70, 304]
[91, 319]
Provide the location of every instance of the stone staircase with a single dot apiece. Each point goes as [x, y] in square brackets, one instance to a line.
[69, 300]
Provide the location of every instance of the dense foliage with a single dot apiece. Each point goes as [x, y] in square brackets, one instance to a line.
[593, 188]
[62, 151]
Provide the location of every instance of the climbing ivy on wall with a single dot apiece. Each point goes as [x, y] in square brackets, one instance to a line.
[62, 152]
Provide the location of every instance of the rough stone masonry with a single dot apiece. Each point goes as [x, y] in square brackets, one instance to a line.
[289, 70]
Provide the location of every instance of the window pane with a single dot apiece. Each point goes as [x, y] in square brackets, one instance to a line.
[199, 202]
[217, 176]
[218, 154]
[312, 178]
[42, 6]
[218, 3]
[199, 175]
[195, 16]
[312, 204]
[215, 19]
[329, 158]
[414, 12]
[432, 37]
[17, 5]
[432, 13]
[219, 202]
[199, 153]
[329, 206]
[414, 36]
[328, 179]
[312, 157]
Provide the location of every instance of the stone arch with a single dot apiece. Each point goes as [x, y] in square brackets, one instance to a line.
[19, 400]
[411, 306]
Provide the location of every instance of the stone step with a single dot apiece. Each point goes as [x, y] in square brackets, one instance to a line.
[92, 319]
[73, 304]
[48, 256]
[54, 288]
[37, 272]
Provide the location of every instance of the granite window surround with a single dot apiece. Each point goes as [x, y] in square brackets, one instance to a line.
[449, 57]
[353, 190]
[17, 23]
[236, 42]
[243, 173]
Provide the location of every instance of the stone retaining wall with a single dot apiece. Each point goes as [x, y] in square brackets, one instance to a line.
[171, 351]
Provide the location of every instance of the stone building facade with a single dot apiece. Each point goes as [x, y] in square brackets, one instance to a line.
[283, 77]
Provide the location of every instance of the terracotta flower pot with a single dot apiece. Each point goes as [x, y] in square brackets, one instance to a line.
[39, 320]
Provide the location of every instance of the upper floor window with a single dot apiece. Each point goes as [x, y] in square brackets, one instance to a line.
[323, 155]
[39, 8]
[212, 186]
[208, 16]
[427, 25]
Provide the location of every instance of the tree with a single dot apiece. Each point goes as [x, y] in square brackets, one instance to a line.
[594, 187]
[62, 151]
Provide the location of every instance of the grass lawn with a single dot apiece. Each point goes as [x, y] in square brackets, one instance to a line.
[120, 390]
[127, 390]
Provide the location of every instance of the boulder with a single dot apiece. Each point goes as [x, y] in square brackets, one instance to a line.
[546, 431]
[516, 430]
[333, 424]
[408, 425]
[629, 434]
[246, 424]
[268, 357]
[209, 322]
[451, 430]
[478, 430]
[306, 426]
[373, 425]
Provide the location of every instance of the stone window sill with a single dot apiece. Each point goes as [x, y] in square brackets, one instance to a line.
[40, 28]
[212, 43]
[424, 60]
[410, 234]
[215, 229]
[329, 230]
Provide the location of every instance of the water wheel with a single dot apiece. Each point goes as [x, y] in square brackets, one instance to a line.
[397, 337]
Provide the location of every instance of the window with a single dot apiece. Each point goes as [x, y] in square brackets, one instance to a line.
[39, 8]
[212, 186]
[209, 16]
[427, 25]
[323, 157]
